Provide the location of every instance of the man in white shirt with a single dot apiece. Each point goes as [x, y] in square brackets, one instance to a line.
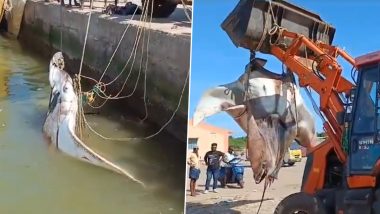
[227, 158]
[230, 155]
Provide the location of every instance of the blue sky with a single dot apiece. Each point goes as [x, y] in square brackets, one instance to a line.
[215, 60]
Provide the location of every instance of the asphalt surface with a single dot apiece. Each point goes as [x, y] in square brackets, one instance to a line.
[235, 200]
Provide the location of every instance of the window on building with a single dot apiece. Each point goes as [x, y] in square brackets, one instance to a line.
[192, 143]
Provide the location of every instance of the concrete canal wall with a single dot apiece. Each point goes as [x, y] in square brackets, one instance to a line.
[168, 56]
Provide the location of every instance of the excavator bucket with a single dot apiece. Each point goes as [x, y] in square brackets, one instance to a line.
[251, 20]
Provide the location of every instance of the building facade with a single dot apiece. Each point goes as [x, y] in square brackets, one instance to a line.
[203, 135]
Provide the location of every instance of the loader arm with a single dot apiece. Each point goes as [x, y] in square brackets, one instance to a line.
[340, 173]
[322, 73]
[328, 88]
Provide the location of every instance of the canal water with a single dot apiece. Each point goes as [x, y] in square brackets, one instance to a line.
[35, 178]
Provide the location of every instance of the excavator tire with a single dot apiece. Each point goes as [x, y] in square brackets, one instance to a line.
[301, 203]
[161, 8]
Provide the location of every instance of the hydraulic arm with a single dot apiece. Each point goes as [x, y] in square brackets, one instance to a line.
[323, 74]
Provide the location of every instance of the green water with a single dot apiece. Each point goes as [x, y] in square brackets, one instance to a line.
[35, 178]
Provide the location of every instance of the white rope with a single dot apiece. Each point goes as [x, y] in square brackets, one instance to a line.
[185, 9]
[134, 53]
[150, 136]
[140, 29]
[134, 50]
[146, 65]
[118, 45]
[84, 44]
[103, 95]
[134, 46]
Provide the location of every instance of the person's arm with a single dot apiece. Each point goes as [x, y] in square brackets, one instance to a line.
[206, 159]
[189, 160]
[222, 155]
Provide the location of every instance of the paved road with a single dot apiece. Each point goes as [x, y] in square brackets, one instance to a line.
[247, 200]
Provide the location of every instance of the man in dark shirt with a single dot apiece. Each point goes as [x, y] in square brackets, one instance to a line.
[212, 159]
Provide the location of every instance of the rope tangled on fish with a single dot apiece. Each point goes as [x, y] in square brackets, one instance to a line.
[64, 125]
[66, 120]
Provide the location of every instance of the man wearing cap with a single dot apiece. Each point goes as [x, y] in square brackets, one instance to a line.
[194, 170]
[212, 160]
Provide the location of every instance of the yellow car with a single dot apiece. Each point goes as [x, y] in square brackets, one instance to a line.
[295, 152]
[293, 155]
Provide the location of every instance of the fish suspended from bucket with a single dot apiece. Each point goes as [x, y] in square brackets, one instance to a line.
[269, 108]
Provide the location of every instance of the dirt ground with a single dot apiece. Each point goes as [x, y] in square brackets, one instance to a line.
[235, 200]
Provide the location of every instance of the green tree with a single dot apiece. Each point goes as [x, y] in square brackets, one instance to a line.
[321, 134]
[238, 143]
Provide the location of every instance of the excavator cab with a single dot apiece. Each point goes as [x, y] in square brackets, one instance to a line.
[364, 149]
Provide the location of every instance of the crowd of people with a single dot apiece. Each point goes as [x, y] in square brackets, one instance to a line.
[213, 160]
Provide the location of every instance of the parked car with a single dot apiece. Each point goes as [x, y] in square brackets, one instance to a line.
[292, 155]
[288, 159]
[295, 151]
